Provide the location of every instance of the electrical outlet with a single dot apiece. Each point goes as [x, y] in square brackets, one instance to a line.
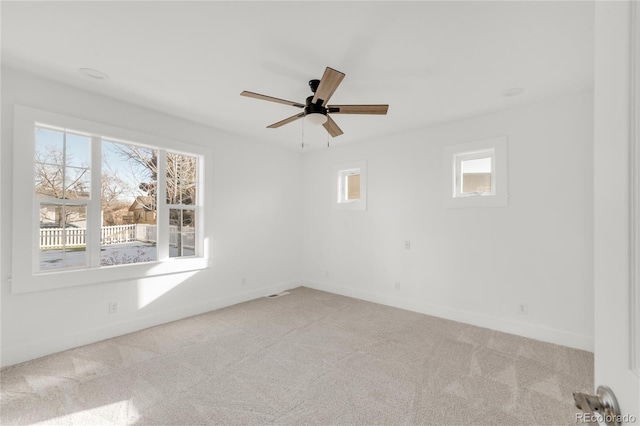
[397, 286]
[407, 245]
[523, 309]
[113, 307]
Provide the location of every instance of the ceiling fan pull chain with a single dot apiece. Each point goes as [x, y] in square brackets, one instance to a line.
[302, 144]
[328, 140]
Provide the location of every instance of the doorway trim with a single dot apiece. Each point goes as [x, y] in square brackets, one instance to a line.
[634, 192]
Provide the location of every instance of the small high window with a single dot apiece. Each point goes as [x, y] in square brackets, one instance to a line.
[476, 173]
[351, 188]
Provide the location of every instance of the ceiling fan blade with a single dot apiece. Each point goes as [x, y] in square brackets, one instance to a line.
[358, 109]
[330, 81]
[332, 127]
[271, 99]
[286, 121]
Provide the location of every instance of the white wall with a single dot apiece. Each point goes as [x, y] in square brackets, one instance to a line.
[472, 265]
[476, 264]
[255, 219]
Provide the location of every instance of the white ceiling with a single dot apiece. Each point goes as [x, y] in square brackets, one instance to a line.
[430, 61]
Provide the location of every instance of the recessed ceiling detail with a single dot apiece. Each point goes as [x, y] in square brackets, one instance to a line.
[514, 91]
[94, 74]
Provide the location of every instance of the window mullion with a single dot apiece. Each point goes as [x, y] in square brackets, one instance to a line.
[494, 171]
[162, 208]
[64, 165]
[94, 207]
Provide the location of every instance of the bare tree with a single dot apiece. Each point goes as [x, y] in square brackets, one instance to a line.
[180, 174]
[55, 181]
[181, 179]
[113, 190]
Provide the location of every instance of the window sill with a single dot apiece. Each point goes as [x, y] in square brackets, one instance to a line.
[29, 283]
[476, 201]
[351, 205]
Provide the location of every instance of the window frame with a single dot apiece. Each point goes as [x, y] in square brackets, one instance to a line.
[453, 155]
[341, 172]
[26, 276]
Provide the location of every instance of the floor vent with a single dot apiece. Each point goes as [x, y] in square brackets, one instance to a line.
[273, 296]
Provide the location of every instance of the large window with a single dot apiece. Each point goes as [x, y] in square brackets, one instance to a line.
[104, 198]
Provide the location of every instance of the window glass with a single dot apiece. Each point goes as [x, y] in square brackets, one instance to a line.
[182, 232]
[49, 146]
[62, 236]
[62, 177]
[349, 185]
[476, 175]
[181, 195]
[353, 186]
[77, 183]
[77, 150]
[128, 203]
[62, 165]
[48, 181]
[181, 179]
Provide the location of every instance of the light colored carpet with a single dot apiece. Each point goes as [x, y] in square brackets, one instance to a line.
[309, 357]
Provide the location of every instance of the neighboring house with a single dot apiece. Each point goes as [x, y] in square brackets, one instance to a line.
[142, 210]
[52, 216]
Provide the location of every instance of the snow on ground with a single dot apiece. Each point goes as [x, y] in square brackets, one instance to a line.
[114, 254]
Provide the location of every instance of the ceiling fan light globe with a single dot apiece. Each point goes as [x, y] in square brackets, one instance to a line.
[316, 118]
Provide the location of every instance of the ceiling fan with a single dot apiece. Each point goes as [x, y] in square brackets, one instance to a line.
[316, 110]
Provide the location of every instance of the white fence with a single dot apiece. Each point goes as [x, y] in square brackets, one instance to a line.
[54, 237]
[150, 232]
[117, 234]
[58, 237]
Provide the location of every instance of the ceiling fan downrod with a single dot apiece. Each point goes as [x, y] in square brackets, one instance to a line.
[313, 84]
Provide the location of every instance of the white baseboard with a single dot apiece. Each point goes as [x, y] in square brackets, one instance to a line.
[545, 334]
[54, 344]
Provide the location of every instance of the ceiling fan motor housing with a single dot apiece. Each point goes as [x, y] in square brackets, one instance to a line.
[312, 108]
